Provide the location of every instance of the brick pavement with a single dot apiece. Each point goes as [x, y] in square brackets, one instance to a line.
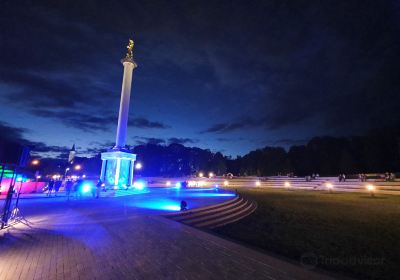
[108, 239]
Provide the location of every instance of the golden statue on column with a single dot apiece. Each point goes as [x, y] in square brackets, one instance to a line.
[130, 46]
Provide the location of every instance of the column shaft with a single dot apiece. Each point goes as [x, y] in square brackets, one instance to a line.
[124, 105]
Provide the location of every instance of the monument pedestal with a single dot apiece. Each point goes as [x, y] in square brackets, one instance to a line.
[117, 169]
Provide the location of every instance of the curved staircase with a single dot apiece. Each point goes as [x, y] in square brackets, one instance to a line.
[216, 215]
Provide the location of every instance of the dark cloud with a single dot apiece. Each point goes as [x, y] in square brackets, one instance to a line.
[10, 133]
[182, 141]
[229, 127]
[148, 140]
[311, 67]
[95, 147]
[85, 122]
[94, 122]
[145, 123]
[16, 135]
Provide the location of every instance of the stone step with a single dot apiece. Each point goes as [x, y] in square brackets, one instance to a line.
[197, 210]
[227, 219]
[211, 211]
[215, 215]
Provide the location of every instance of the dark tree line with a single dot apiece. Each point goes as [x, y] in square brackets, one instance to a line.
[178, 160]
[378, 151]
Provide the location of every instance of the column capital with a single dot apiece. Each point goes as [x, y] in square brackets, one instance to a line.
[130, 61]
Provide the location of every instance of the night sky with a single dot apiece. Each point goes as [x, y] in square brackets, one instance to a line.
[230, 76]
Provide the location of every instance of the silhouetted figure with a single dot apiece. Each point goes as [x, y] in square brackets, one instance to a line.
[68, 188]
[57, 186]
[184, 185]
[78, 188]
[50, 187]
[183, 205]
[98, 187]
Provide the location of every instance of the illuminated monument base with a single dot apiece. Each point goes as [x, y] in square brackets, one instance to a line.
[117, 169]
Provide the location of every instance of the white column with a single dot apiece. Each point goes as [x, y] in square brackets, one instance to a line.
[117, 171]
[129, 65]
[103, 169]
[132, 166]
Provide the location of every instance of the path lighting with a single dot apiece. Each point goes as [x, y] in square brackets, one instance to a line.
[226, 183]
[329, 186]
[371, 189]
[201, 184]
[287, 185]
[78, 167]
[192, 183]
[258, 183]
[138, 166]
[201, 175]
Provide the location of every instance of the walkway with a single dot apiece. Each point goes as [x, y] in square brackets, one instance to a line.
[111, 239]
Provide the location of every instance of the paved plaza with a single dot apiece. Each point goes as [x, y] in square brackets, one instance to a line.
[124, 238]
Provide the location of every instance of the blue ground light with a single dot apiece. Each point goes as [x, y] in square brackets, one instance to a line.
[169, 199]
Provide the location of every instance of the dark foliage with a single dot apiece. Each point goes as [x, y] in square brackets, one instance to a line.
[378, 151]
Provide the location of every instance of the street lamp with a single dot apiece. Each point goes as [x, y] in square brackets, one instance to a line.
[210, 175]
[329, 186]
[35, 162]
[77, 167]
[201, 174]
[138, 166]
[371, 189]
[66, 170]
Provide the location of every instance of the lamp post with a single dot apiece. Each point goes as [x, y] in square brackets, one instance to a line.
[138, 166]
[66, 170]
[36, 162]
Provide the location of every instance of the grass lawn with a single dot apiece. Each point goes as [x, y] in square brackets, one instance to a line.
[349, 233]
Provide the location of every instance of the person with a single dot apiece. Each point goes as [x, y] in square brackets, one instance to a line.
[93, 190]
[98, 188]
[184, 184]
[78, 188]
[57, 186]
[340, 177]
[50, 187]
[68, 187]
[183, 205]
